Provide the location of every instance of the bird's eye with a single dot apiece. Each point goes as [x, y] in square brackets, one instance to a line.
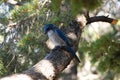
[48, 29]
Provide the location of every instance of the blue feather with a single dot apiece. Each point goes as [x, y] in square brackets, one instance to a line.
[63, 36]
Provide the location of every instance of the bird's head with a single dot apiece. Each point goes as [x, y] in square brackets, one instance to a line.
[48, 27]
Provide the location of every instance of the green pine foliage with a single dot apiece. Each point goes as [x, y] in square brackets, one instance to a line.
[105, 51]
[55, 5]
[76, 6]
[24, 11]
[31, 46]
[2, 67]
[90, 4]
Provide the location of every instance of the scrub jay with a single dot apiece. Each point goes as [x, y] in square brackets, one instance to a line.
[58, 38]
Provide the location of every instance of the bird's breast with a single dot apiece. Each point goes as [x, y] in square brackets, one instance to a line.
[55, 39]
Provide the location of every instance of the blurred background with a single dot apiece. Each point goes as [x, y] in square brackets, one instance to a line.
[22, 42]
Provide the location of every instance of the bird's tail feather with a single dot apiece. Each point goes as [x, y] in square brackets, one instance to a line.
[73, 53]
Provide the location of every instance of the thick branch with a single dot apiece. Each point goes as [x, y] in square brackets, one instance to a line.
[90, 20]
[46, 69]
[101, 18]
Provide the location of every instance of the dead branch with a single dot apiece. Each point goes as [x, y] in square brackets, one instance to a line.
[101, 18]
[98, 18]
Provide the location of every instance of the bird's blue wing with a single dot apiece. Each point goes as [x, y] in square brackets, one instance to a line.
[63, 36]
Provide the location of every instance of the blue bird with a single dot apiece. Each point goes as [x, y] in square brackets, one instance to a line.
[58, 38]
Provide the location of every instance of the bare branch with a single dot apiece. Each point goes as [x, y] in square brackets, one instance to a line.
[86, 14]
[101, 18]
[90, 20]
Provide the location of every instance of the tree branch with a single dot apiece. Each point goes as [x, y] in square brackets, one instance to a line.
[46, 69]
[101, 18]
[98, 18]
